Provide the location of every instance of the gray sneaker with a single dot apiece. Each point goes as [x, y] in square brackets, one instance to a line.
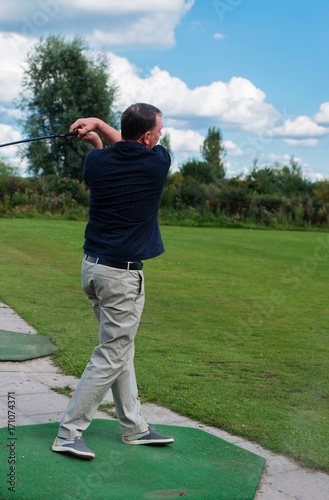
[74, 446]
[147, 437]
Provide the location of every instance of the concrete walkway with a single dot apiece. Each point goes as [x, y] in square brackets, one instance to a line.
[36, 403]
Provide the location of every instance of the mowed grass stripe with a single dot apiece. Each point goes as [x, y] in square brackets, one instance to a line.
[234, 331]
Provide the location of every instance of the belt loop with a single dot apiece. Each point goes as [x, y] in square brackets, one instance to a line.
[128, 267]
[97, 260]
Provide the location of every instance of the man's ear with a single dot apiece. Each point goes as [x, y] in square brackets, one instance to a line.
[145, 138]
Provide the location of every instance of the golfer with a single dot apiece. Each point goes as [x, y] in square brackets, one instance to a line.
[125, 182]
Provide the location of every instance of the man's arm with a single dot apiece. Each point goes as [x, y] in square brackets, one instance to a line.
[93, 139]
[87, 125]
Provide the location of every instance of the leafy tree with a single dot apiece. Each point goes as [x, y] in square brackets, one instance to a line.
[170, 194]
[192, 194]
[165, 142]
[261, 180]
[278, 180]
[62, 83]
[6, 171]
[199, 170]
[321, 190]
[290, 180]
[212, 151]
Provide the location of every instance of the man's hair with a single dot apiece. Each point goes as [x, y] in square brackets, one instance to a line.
[138, 119]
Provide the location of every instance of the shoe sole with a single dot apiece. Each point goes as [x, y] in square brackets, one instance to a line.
[149, 441]
[73, 452]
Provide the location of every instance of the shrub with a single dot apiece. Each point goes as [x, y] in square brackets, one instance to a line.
[192, 194]
[66, 184]
[233, 200]
[199, 170]
[321, 191]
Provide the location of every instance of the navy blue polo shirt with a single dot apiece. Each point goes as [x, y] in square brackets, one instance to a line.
[125, 184]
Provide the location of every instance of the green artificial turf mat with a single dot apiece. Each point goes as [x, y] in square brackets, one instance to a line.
[197, 466]
[16, 346]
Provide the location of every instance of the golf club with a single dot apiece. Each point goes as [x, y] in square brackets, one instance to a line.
[63, 134]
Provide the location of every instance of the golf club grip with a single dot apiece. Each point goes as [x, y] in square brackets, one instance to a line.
[66, 134]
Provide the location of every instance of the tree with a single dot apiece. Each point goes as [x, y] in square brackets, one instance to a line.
[6, 171]
[284, 180]
[321, 190]
[192, 194]
[62, 83]
[199, 170]
[212, 151]
[165, 142]
[261, 180]
[290, 181]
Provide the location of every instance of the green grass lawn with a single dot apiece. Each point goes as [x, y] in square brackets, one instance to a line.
[234, 332]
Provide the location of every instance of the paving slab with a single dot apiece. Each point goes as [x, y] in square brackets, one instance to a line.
[283, 479]
[10, 321]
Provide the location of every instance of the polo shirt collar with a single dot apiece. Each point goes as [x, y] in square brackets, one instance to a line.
[129, 144]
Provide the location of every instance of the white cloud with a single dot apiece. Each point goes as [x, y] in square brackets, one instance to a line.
[319, 177]
[232, 149]
[276, 158]
[149, 24]
[13, 49]
[236, 104]
[322, 117]
[10, 112]
[8, 134]
[12, 153]
[120, 8]
[185, 144]
[120, 24]
[218, 35]
[301, 128]
[233, 170]
[184, 141]
[302, 143]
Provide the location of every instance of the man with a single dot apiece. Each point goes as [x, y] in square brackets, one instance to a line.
[125, 182]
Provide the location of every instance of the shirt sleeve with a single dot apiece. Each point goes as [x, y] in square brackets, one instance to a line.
[163, 153]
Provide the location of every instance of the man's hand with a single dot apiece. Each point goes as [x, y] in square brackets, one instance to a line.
[93, 139]
[86, 125]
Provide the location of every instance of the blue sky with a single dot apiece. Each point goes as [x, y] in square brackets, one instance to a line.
[257, 70]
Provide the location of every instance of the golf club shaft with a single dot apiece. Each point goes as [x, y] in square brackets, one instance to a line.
[53, 136]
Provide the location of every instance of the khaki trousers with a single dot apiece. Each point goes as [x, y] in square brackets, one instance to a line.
[118, 299]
